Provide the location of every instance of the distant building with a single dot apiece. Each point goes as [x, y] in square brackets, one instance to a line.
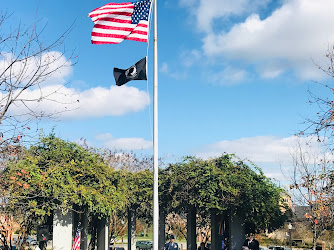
[300, 211]
[286, 202]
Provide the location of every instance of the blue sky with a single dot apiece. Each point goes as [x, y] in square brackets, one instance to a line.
[233, 76]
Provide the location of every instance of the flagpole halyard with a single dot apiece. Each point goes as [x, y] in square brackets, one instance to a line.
[155, 137]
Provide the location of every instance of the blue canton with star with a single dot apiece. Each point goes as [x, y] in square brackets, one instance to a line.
[141, 11]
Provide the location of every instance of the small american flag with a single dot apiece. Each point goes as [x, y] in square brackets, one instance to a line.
[115, 22]
[77, 238]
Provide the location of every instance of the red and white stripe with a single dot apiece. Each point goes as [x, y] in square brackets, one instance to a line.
[113, 24]
[76, 242]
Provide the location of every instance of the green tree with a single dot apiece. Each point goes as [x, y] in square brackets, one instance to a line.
[55, 174]
[140, 193]
[135, 173]
[224, 184]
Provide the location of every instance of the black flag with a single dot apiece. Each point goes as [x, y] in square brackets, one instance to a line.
[135, 72]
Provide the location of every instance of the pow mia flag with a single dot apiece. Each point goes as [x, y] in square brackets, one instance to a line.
[135, 72]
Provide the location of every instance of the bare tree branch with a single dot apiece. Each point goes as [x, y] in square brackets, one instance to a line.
[26, 63]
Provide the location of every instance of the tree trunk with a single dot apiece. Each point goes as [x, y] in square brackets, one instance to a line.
[315, 237]
[92, 243]
[191, 228]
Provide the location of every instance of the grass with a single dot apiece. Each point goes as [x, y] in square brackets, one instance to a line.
[125, 238]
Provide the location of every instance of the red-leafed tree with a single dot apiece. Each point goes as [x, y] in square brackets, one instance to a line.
[314, 172]
[313, 182]
[6, 229]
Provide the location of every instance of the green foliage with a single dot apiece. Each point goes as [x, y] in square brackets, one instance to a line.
[221, 184]
[59, 174]
[139, 192]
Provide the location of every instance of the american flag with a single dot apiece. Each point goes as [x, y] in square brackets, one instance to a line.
[77, 238]
[115, 22]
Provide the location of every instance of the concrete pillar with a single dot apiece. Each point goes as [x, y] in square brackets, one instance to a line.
[191, 228]
[62, 230]
[215, 236]
[102, 234]
[162, 231]
[237, 231]
[131, 229]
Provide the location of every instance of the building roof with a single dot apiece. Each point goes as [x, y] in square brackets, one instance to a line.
[300, 211]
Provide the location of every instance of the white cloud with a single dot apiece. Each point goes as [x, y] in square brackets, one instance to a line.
[48, 68]
[178, 75]
[124, 143]
[277, 174]
[191, 57]
[206, 11]
[98, 102]
[294, 34]
[51, 97]
[272, 69]
[258, 149]
[164, 68]
[94, 102]
[228, 76]
[288, 39]
[269, 152]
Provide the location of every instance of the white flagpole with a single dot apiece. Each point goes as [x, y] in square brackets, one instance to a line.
[155, 138]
